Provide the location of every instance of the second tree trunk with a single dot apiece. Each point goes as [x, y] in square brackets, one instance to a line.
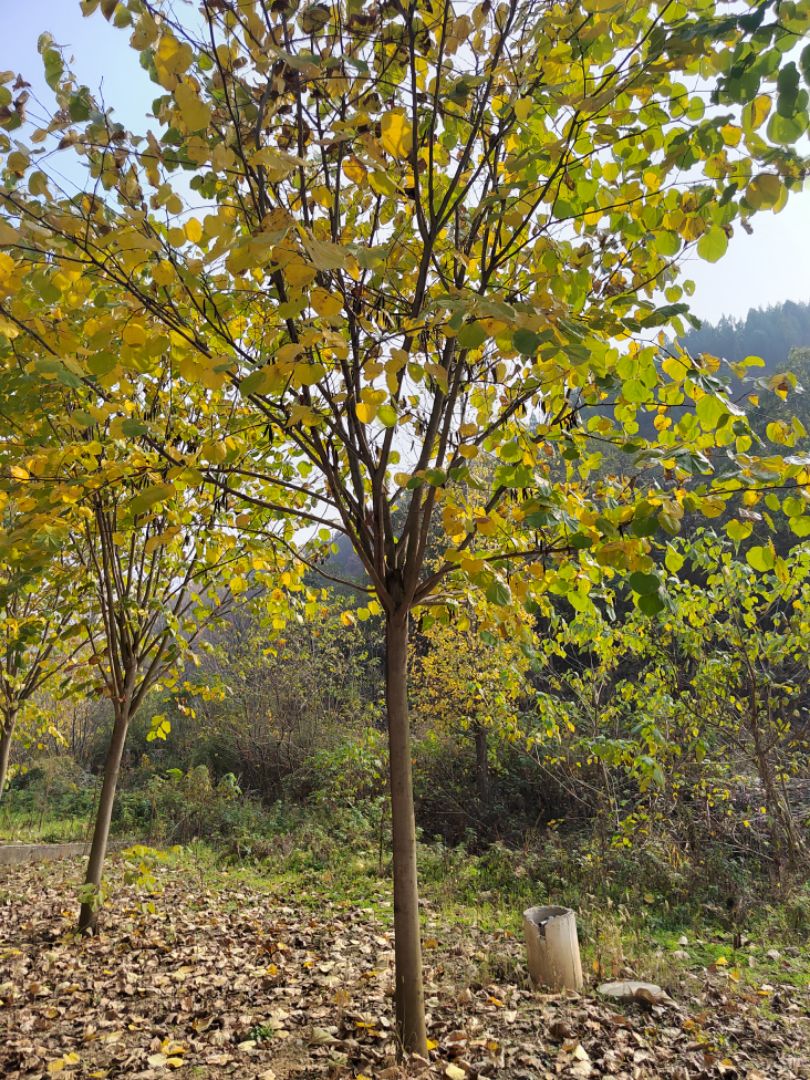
[101, 833]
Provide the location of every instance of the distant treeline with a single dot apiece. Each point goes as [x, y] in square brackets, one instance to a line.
[767, 332]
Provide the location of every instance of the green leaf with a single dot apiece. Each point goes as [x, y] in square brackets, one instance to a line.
[673, 560]
[258, 382]
[761, 558]
[471, 335]
[667, 243]
[804, 63]
[787, 85]
[710, 411]
[787, 130]
[650, 603]
[526, 341]
[713, 244]
[436, 477]
[794, 506]
[79, 105]
[498, 593]
[53, 68]
[739, 530]
[133, 428]
[150, 497]
[764, 191]
[644, 584]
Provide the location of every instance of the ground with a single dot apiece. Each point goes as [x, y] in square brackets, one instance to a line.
[219, 973]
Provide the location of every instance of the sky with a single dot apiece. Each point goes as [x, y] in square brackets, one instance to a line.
[768, 267]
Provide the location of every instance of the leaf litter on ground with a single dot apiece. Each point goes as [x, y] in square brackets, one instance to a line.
[222, 978]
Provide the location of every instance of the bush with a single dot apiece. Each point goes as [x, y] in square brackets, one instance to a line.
[57, 786]
[181, 806]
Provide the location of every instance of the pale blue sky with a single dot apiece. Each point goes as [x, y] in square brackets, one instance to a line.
[766, 268]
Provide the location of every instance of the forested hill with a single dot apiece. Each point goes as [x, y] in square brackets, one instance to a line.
[767, 332]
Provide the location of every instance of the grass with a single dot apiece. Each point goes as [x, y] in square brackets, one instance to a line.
[618, 938]
[40, 826]
[633, 906]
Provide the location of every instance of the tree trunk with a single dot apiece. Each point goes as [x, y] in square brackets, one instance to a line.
[410, 997]
[481, 764]
[88, 915]
[5, 749]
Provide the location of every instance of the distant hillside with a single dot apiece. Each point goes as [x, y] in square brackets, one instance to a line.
[767, 332]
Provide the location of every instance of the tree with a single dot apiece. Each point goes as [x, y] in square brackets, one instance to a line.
[466, 682]
[157, 549]
[701, 705]
[741, 635]
[428, 236]
[38, 632]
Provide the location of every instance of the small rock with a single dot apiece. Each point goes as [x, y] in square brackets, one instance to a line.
[683, 940]
[640, 992]
[773, 954]
[680, 954]
[453, 1072]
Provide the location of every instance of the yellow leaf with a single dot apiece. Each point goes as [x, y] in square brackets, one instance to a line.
[756, 112]
[18, 472]
[171, 56]
[195, 113]
[6, 267]
[134, 335]
[326, 303]
[8, 235]
[193, 230]
[308, 374]
[397, 134]
[522, 109]
[299, 273]
[731, 134]
[355, 170]
[17, 162]
[365, 411]
[764, 191]
[163, 273]
[381, 183]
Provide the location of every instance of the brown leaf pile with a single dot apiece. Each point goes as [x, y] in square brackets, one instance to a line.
[234, 980]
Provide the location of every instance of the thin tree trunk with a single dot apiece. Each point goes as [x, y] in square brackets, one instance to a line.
[784, 837]
[5, 748]
[410, 996]
[481, 764]
[88, 915]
